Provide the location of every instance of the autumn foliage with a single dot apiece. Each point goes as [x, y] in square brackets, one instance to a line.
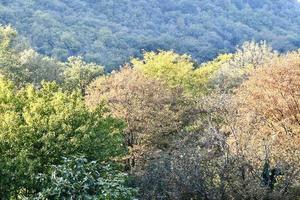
[267, 129]
[151, 110]
[161, 127]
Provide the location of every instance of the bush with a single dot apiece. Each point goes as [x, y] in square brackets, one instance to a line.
[77, 178]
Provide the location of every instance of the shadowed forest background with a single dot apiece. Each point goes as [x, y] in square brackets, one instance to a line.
[110, 32]
[117, 100]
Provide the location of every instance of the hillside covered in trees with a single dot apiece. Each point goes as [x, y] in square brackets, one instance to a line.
[161, 127]
[109, 32]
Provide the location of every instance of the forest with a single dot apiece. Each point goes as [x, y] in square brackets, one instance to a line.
[162, 126]
[110, 32]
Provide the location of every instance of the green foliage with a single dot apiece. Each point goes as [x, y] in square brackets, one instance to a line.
[39, 68]
[192, 131]
[78, 74]
[174, 69]
[205, 73]
[77, 178]
[179, 71]
[248, 57]
[39, 127]
[25, 66]
[9, 65]
[109, 32]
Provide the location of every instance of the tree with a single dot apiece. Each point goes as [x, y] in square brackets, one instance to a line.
[202, 29]
[237, 69]
[180, 71]
[25, 66]
[174, 69]
[78, 74]
[40, 126]
[9, 65]
[199, 163]
[205, 73]
[151, 110]
[266, 131]
[40, 68]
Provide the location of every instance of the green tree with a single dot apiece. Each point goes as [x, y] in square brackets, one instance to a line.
[78, 74]
[40, 126]
[203, 75]
[201, 28]
[173, 69]
[9, 64]
[40, 68]
[77, 178]
[25, 66]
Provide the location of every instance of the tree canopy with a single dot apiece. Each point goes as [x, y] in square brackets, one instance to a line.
[38, 127]
[163, 126]
[109, 32]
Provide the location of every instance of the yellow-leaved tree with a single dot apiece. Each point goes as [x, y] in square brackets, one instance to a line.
[267, 124]
[168, 66]
[180, 70]
[151, 110]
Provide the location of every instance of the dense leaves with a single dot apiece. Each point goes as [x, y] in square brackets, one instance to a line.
[23, 65]
[176, 70]
[268, 120]
[163, 124]
[39, 127]
[77, 178]
[180, 71]
[78, 74]
[110, 32]
[151, 110]
[248, 57]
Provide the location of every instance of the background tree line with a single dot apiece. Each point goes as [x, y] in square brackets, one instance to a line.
[109, 32]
